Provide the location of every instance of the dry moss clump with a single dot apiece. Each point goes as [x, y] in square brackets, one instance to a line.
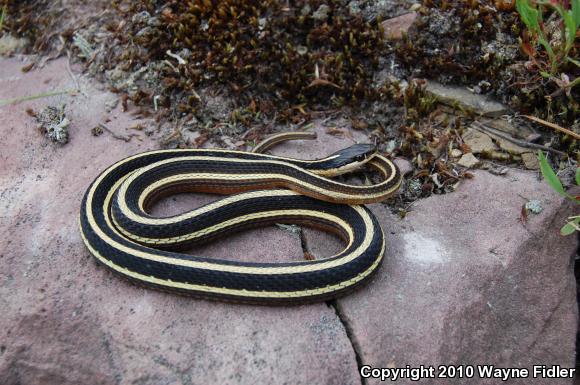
[48, 24]
[312, 51]
[28, 19]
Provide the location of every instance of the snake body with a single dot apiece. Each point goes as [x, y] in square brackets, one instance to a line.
[119, 232]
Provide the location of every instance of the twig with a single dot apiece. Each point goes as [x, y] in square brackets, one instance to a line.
[323, 82]
[125, 138]
[489, 130]
[553, 126]
[73, 77]
[179, 59]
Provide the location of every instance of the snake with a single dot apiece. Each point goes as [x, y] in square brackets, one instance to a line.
[119, 230]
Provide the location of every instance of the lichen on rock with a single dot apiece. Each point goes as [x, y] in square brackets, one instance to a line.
[54, 123]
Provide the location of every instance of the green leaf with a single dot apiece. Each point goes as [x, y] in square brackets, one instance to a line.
[578, 176]
[546, 44]
[550, 176]
[545, 74]
[528, 15]
[570, 30]
[570, 227]
[2, 17]
[574, 61]
[567, 229]
[576, 12]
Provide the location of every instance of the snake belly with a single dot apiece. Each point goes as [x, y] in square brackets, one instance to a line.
[119, 233]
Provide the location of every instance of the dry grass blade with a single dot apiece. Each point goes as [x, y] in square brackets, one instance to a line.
[322, 82]
[553, 126]
[125, 138]
[5, 102]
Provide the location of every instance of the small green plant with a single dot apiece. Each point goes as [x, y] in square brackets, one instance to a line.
[553, 180]
[2, 17]
[532, 15]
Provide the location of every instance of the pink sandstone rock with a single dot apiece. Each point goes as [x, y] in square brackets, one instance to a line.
[66, 320]
[397, 26]
[404, 165]
[464, 281]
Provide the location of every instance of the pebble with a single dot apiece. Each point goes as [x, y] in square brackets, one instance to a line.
[456, 153]
[468, 160]
[478, 142]
[531, 161]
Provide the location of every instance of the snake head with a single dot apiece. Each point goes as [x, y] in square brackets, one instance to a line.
[350, 158]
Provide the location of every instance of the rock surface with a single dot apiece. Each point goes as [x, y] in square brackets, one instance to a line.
[455, 95]
[468, 160]
[464, 282]
[397, 26]
[65, 320]
[10, 44]
[404, 165]
[531, 161]
[478, 142]
[517, 131]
